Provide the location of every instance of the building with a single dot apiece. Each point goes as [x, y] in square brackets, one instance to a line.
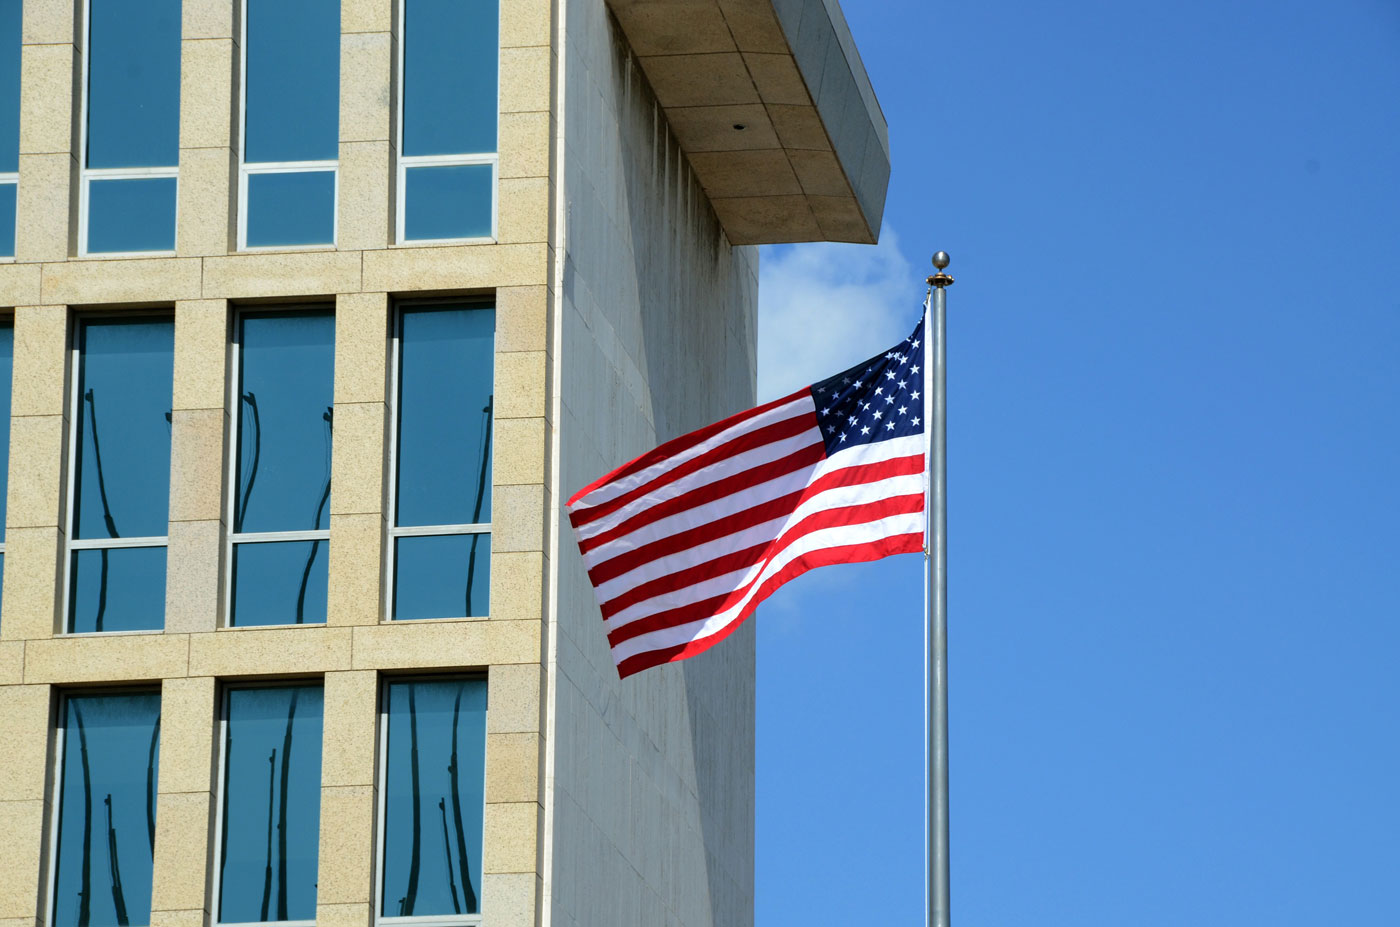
[319, 311]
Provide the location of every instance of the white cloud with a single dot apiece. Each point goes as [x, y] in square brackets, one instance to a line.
[825, 306]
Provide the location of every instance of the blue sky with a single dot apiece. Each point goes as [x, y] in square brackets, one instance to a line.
[1175, 440]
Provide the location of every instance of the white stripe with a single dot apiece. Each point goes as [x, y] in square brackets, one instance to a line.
[867, 533]
[800, 404]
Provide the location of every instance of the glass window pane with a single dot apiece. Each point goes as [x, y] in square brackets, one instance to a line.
[280, 582]
[8, 192]
[117, 589]
[433, 798]
[447, 202]
[9, 86]
[445, 400]
[131, 215]
[7, 369]
[134, 83]
[291, 208]
[286, 371]
[293, 80]
[450, 54]
[126, 372]
[442, 577]
[107, 810]
[271, 804]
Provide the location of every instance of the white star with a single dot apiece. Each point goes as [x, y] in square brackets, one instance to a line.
[901, 384]
[914, 369]
[889, 398]
[890, 425]
[865, 430]
[851, 420]
[865, 405]
[914, 420]
[878, 415]
[826, 411]
[846, 380]
[889, 375]
[916, 344]
[914, 395]
[903, 409]
[843, 436]
[903, 360]
[859, 384]
[878, 391]
[889, 354]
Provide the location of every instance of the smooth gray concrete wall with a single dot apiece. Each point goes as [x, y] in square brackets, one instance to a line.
[653, 777]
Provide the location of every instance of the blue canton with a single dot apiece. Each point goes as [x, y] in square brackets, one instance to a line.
[879, 399]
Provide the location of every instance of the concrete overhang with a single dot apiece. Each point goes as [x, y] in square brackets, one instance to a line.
[772, 105]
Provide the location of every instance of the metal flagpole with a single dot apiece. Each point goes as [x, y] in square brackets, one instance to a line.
[936, 593]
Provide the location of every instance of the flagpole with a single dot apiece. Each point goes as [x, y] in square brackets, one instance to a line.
[936, 595]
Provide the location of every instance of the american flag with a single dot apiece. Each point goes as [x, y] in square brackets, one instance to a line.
[684, 542]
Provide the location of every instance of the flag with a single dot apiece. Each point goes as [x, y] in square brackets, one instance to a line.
[684, 542]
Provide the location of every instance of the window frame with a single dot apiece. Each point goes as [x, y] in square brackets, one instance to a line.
[233, 538]
[404, 162]
[221, 731]
[381, 773]
[392, 530]
[70, 543]
[88, 174]
[246, 168]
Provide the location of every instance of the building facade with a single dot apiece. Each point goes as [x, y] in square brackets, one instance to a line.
[315, 314]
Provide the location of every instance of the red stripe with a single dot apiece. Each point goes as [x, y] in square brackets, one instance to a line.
[765, 511]
[828, 518]
[683, 443]
[827, 556]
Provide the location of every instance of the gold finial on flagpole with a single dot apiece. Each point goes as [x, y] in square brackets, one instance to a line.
[940, 279]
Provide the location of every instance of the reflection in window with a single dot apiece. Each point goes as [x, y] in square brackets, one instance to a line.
[7, 367]
[291, 123]
[442, 489]
[132, 130]
[448, 129]
[120, 507]
[9, 121]
[271, 807]
[435, 737]
[281, 515]
[106, 810]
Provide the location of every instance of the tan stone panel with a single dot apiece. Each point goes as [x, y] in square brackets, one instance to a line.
[22, 823]
[517, 519]
[368, 15]
[290, 650]
[184, 828]
[525, 23]
[31, 583]
[514, 699]
[19, 284]
[519, 454]
[357, 458]
[523, 206]
[754, 25]
[194, 918]
[11, 662]
[207, 104]
[34, 493]
[517, 585]
[526, 82]
[510, 836]
[44, 209]
[307, 273]
[361, 347]
[455, 267]
[356, 565]
[745, 173]
[840, 219]
[201, 353]
[509, 899]
[674, 27]
[522, 318]
[448, 645]
[365, 212]
[188, 731]
[359, 914]
[197, 464]
[799, 127]
[207, 218]
[49, 22]
[700, 80]
[524, 144]
[345, 873]
[40, 384]
[521, 384]
[145, 280]
[46, 111]
[752, 220]
[209, 19]
[713, 128]
[777, 79]
[25, 716]
[366, 68]
[194, 577]
[109, 658]
[820, 174]
[350, 738]
[513, 767]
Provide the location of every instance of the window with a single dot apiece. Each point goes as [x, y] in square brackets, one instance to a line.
[120, 477]
[282, 469]
[447, 125]
[108, 753]
[9, 121]
[432, 751]
[270, 801]
[440, 556]
[291, 123]
[7, 371]
[131, 126]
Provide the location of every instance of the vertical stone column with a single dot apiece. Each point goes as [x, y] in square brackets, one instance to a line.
[180, 888]
[50, 104]
[512, 839]
[34, 533]
[368, 100]
[199, 423]
[349, 801]
[358, 458]
[25, 716]
[525, 189]
[210, 60]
